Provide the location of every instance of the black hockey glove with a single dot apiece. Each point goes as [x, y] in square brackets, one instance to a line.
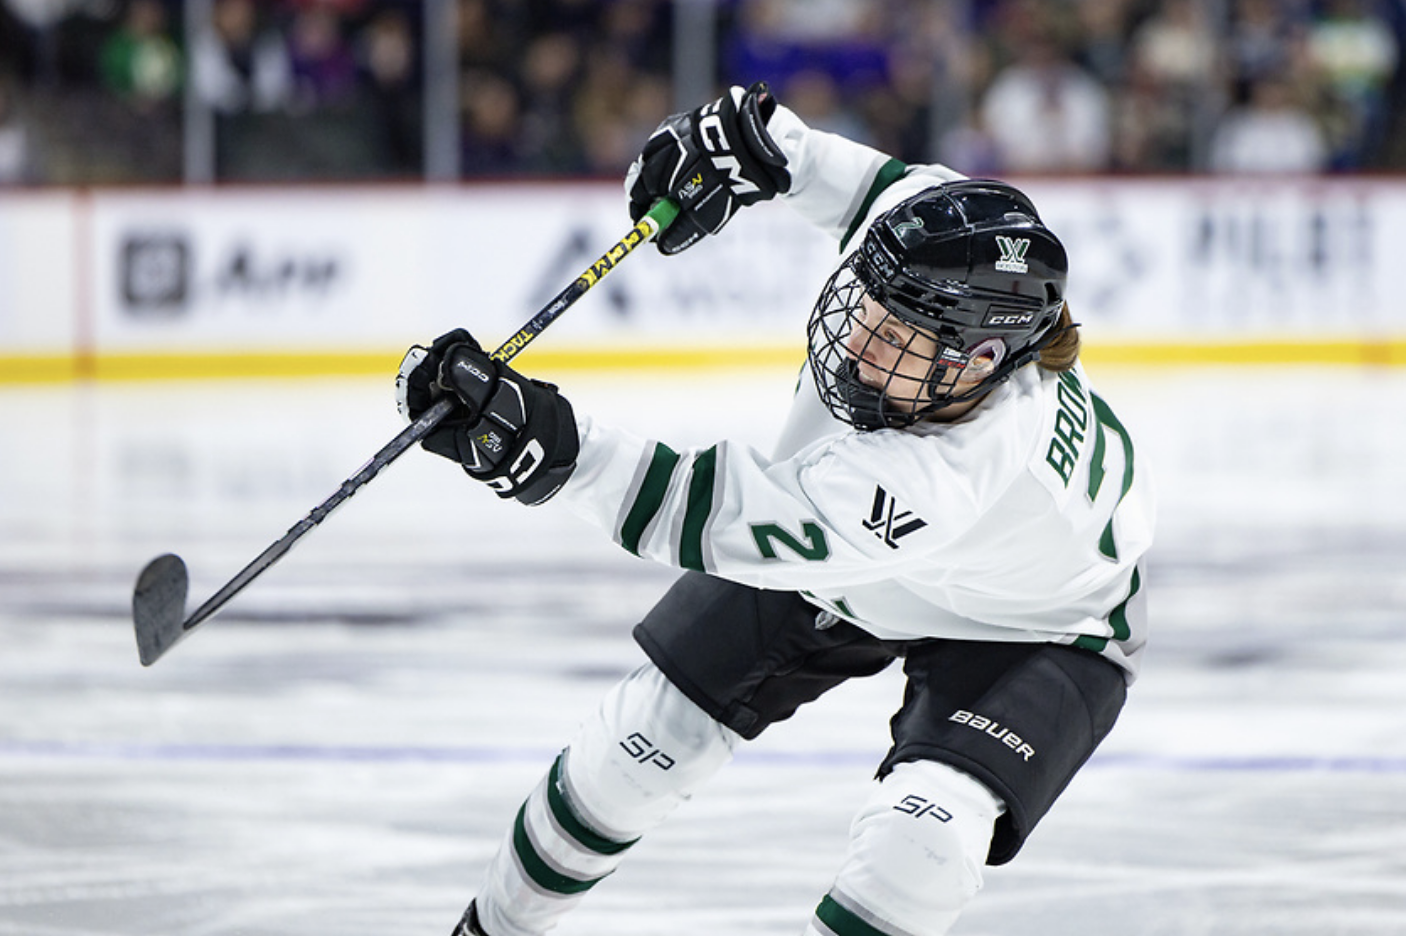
[711, 162]
[517, 435]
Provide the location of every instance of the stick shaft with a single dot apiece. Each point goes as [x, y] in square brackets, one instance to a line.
[645, 230]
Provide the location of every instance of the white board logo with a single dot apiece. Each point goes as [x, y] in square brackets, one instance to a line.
[1012, 254]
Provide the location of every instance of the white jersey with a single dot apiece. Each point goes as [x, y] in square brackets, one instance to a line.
[1023, 520]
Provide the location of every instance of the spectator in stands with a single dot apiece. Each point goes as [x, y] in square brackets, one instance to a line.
[18, 44]
[1356, 53]
[1178, 47]
[818, 100]
[923, 93]
[1151, 130]
[488, 39]
[39, 24]
[240, 64]
[1070, 85]
[1264, 39]
[1046, 114]
[624, 85]
[1272, 132]
[1172, 90]
[779, 38]
[599, 111]
[140, 61]
[322, 60]
[638, 29]
[970, 145]
[652, 94]
[490, 144]
[1102, 46]
[390, 72]
[550, 75]
[16, 164]
[833, 52]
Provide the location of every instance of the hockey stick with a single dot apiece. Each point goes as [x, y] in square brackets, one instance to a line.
[158, 602]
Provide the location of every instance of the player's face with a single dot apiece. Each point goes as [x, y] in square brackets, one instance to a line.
[892, 355]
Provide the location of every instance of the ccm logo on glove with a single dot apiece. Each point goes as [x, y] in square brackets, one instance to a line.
[515, 434]
[710, 162]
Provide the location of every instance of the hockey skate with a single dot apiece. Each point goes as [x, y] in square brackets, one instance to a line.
[469, 925]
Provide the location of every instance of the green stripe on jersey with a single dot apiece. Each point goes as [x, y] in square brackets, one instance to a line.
[700, 508]
[889, 173]
[1117, 619]
[649, 497]
[571, 824]
[1104, 417]
[841, 921]
[541, 873]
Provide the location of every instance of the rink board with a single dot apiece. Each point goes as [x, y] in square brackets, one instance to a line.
[262, 281]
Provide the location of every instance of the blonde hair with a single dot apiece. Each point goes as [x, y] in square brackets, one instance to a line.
[1062, 353]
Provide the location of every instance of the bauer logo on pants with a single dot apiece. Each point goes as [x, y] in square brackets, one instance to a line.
[995, 729]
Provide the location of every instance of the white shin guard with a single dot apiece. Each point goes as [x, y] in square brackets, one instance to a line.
[642, 754]
[916, 852]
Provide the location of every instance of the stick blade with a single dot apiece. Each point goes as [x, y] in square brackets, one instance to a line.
[158, 606]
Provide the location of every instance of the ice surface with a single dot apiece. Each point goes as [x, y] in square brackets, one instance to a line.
[341, 749]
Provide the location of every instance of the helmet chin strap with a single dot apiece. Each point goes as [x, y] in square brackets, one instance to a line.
[986, 355]
[867, 406]
[864, 403]
[1001, 366]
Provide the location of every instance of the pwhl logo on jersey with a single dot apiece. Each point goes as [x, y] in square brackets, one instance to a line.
[1012, 254]
[890, 523]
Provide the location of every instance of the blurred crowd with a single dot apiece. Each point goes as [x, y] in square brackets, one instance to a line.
[97, 91]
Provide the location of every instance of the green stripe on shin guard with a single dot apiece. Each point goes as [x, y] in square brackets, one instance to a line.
[843, 922]
[536, 868]
[571, 824]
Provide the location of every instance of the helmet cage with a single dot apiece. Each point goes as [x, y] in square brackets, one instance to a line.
[934, 360]
[896, 400]
[969, 265]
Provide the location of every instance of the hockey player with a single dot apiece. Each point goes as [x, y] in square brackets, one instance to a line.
[948, 490]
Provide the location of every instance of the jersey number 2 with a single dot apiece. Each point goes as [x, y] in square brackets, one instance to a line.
[813, 548]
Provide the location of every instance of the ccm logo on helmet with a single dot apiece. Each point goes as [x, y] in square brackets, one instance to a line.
[1009, 319]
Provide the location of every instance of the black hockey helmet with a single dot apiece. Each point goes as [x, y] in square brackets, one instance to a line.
[968, 263]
